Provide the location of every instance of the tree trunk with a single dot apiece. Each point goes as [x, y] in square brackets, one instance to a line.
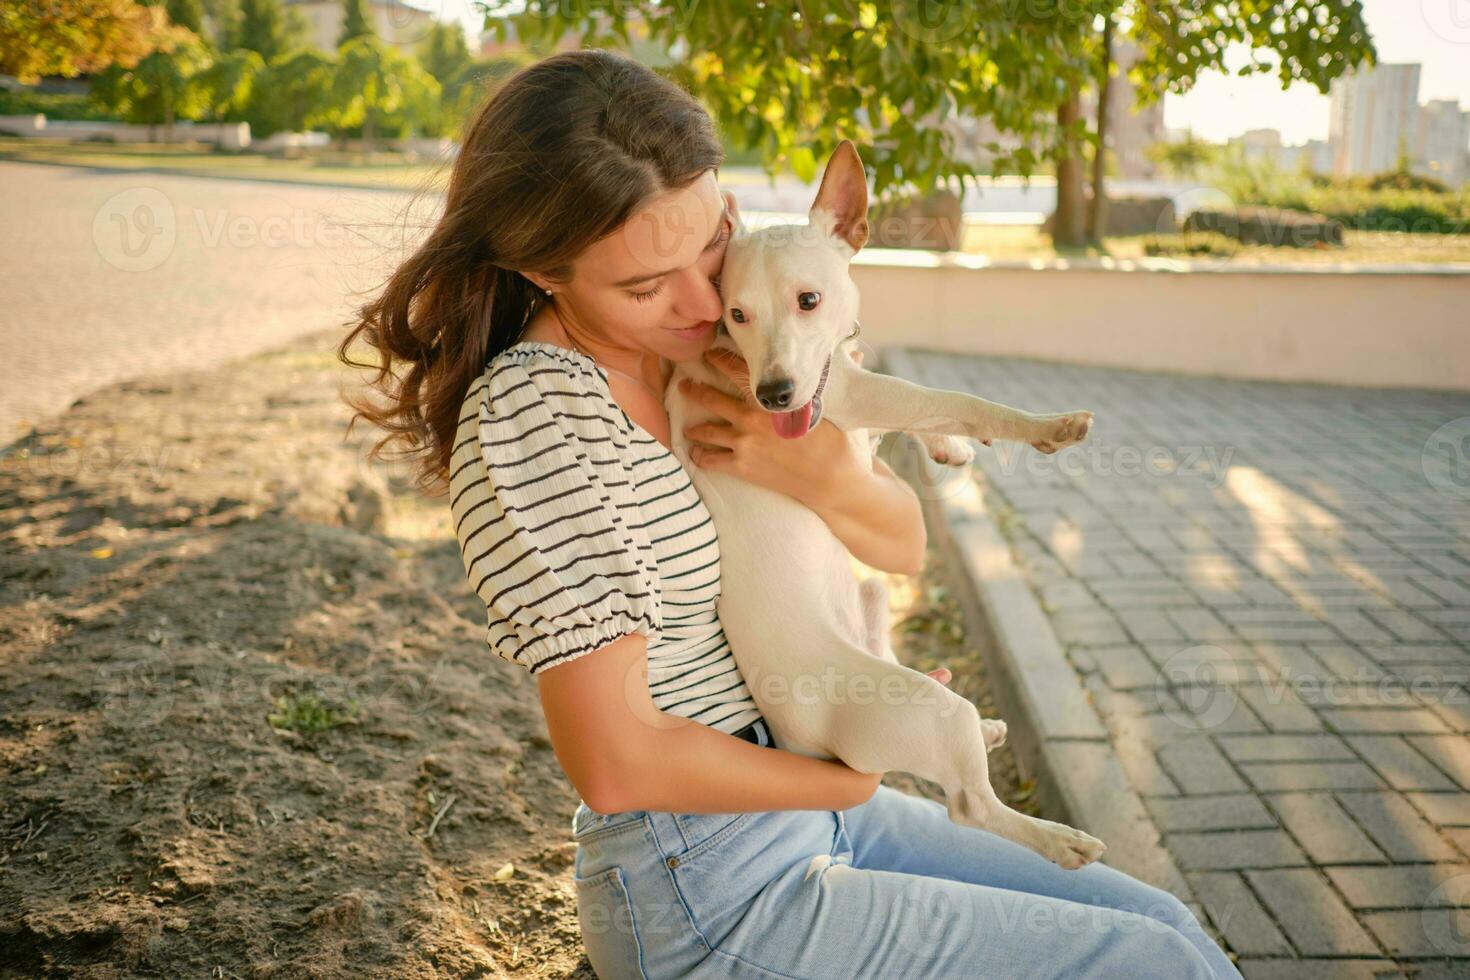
[369, 130]
[1097, 220]
[1069, 228]
[168, 120]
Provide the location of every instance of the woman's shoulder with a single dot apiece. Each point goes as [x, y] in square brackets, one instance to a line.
[561, 368]
[534, 402]
[541, 500]
[527, 380]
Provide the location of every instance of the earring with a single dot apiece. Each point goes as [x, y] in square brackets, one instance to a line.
[548, 292]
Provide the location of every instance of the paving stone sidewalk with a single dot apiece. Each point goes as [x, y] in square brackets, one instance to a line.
[1266, 589]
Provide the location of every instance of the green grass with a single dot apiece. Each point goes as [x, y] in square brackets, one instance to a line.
[305, 713]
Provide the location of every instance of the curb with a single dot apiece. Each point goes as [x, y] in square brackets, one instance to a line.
[1056, 731]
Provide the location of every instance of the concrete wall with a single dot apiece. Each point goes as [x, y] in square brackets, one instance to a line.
[234, 136]
[1409, 327]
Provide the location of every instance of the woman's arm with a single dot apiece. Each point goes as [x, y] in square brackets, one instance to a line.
[874, 513]
[622, 753]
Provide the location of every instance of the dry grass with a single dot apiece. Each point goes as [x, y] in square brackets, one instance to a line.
[1010, 242]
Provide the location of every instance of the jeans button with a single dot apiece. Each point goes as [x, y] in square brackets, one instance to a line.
[672, 862]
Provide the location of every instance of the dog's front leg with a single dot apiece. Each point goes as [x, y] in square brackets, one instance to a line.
[863, 399]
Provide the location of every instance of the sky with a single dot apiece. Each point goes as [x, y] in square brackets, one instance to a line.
[1435, 33]
[462, 11]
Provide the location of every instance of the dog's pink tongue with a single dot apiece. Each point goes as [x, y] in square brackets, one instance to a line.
[793, 425]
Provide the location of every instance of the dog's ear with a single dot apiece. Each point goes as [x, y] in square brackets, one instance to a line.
[843, 196]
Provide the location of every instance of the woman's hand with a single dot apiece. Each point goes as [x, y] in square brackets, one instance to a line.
[743, 441]
[876, 515]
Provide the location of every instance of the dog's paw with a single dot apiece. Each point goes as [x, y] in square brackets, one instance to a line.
[948, 450]
[1061, 431]
[1068, 847]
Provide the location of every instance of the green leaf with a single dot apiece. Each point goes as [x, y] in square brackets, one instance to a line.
[789, 84]
[804, 164]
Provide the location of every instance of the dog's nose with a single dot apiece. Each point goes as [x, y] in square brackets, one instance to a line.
[775, 396]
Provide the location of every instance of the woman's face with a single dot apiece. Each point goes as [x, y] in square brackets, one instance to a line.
[651, 285]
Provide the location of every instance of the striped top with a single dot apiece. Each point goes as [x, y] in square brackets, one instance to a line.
[577, 527]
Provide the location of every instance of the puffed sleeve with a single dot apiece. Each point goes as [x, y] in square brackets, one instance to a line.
[541, 495]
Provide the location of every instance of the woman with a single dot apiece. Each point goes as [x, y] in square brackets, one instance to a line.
[525, 348]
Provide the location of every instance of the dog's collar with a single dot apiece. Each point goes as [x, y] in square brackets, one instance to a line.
[857, 328]
[817, 398]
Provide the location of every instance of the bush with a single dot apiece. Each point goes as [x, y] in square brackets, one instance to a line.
[1393, 202]
[1421, 212]
[55, 105]
[1259, 182]
[1202, 245]
[1269, 226]
[1403, 181]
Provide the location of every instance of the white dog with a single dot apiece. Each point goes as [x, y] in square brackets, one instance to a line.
[811, 641]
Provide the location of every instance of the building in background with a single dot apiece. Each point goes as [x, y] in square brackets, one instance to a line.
[1375, 119]
[397, 23]
[1442, 146]
[1314, 156]
[1260, 145]
[1267, 146]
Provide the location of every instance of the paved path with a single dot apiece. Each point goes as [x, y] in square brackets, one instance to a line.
[108, 276]
[1266, 589]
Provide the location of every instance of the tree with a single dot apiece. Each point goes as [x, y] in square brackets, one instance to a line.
[793, 77]
[444, 54]
[292, 93]
[228, 84]
[479, 79]
[1298, 40]
[1183, 158]
[187, 13]
[375, 85]
[1098, 216]
[262, 29]
[163, 87]
[1069, 226]
[354, 22]
[38, 37]
[223, 20]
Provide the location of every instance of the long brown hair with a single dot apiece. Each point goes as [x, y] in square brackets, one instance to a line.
[556, 159]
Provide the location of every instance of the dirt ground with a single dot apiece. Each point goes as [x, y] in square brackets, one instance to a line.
[248, 723]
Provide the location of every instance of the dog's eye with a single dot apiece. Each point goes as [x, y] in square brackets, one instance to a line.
[809, 301]
[737, 315]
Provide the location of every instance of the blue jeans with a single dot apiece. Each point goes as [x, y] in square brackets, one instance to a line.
[889, 889]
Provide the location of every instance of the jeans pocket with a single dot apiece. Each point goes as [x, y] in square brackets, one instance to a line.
[701, 831]
[609, 928]
[589, 825]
